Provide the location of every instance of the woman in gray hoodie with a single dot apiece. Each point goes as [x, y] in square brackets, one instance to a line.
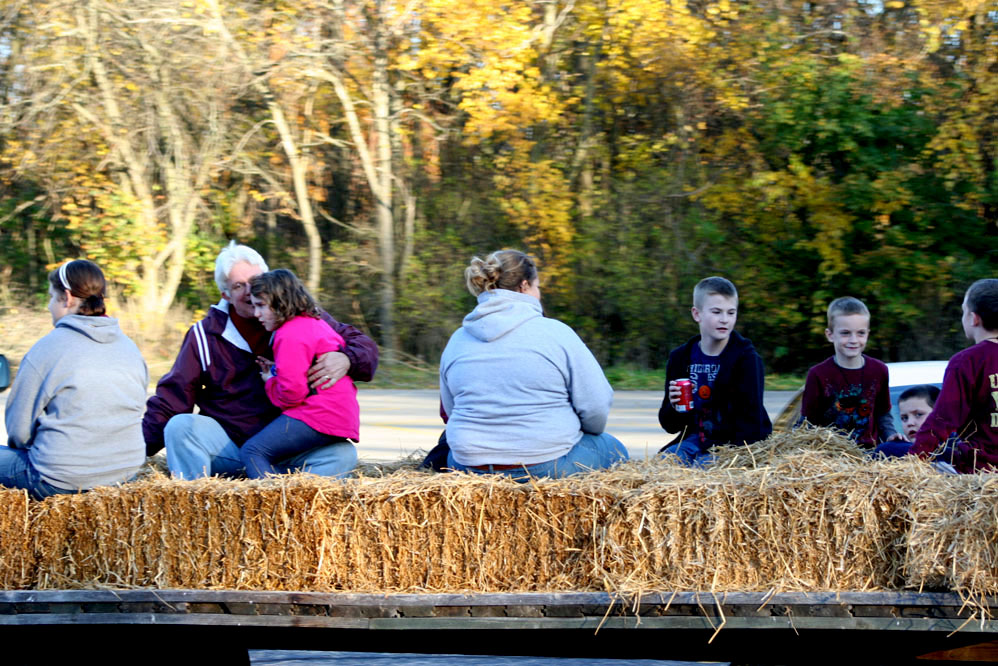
[523, 394]
[74, 414]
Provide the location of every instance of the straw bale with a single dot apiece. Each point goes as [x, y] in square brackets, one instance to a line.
[407, 532]
[204, 534]
[802, 511]
[783, 447]
[17, 559]
[781, 514]
[462, 532]
[954, 535]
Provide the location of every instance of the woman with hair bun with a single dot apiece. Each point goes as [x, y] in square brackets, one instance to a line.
[74, 414]
[522, 394]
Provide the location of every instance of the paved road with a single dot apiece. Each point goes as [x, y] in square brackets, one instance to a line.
[395, 423]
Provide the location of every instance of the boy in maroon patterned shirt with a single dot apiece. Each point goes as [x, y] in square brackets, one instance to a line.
[849, 391]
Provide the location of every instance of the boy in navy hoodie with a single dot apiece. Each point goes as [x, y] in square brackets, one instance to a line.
[727, 375]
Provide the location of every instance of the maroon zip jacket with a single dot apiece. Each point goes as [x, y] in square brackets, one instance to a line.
[216, 371]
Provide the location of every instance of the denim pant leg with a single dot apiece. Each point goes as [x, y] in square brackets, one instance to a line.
[16, 471]
[197, 446]
[688, 451]
[590, 453]
[335, 460]
[893, 449]
[283, 438]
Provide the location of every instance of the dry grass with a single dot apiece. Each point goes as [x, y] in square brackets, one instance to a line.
[809, 523]
[800, 511]
[17, 562]
[405, 532]
[21, 327]
[954, 534]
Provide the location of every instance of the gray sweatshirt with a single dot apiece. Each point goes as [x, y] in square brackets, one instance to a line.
[518, 387]
[77, 402]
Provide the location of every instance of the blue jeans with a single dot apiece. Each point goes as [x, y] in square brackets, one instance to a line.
[689, 452]
[282, 438]
[591, 452]
[16, 471]
[892, 449]
[197, 446]
[941, 461]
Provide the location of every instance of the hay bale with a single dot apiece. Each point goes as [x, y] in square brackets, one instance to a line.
[17, 557]
[800, 511]
[210, 533]
[791, 513]
[463, 532]
[408, 532]
[954, 534]
[783, 447]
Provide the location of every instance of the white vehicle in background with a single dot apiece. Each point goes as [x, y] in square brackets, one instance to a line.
[901, 376]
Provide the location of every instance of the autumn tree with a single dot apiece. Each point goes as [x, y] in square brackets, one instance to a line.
[122, 117]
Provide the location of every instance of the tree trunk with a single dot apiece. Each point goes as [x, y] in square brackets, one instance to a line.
[381, 98]
[297, 160]
[299, 173]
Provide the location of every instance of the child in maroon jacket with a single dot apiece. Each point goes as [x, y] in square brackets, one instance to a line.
[968, 401]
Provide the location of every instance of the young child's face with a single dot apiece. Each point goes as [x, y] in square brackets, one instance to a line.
[262, 311]
[848, 335]
[913, 413]
[717, 317]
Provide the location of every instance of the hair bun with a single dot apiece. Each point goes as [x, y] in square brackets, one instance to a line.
[93, 305]
[505, 269]
[483, 275]
[83, 279]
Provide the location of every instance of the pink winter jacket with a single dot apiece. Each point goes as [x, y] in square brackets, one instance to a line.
[333, 411]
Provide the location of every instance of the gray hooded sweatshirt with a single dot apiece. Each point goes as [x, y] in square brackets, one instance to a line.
[77, 402]
[518, 387]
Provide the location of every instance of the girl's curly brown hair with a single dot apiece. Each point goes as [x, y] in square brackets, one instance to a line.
[285, 294]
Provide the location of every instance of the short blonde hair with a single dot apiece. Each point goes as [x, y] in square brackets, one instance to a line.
[710, 286]
[844, 306]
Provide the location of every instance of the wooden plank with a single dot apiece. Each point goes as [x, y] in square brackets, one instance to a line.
[683, 622]
[863, 611]
[589, 624]
[899, 598]
[155, 619]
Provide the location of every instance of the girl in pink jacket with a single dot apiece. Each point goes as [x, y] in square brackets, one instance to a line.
[310, 418]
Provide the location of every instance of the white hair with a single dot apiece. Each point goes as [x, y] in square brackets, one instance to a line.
[232, 254]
